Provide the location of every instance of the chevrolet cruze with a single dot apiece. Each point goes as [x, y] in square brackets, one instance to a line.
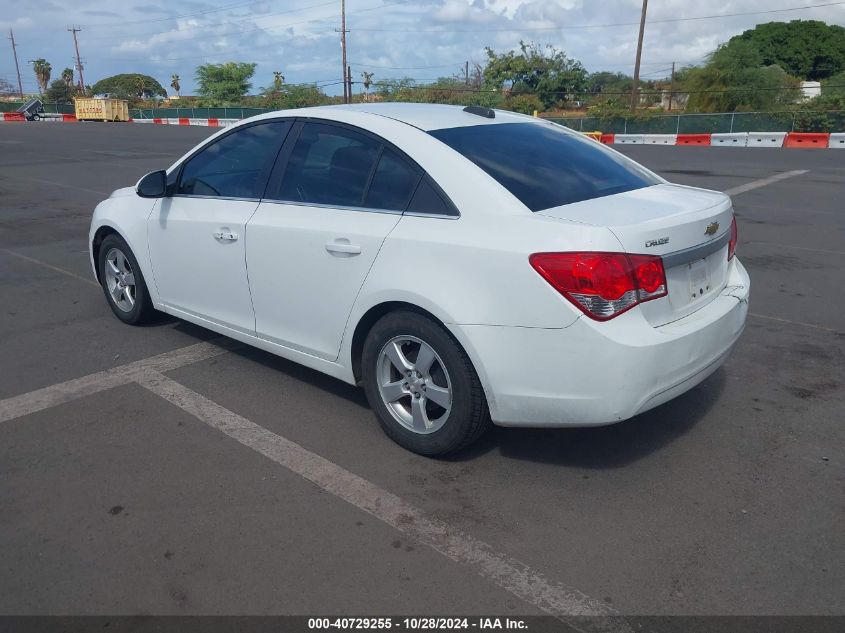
[465, 266]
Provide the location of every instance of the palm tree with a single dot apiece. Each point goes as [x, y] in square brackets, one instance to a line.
[174, 83]
[368, 81]
[42, 69]
[67, 77]
[278, 80]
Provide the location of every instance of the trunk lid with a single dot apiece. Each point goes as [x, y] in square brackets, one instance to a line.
[688, 227]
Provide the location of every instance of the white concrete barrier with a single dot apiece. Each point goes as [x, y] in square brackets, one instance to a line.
[730, 140]
[200, 122]
[837, 140]
[766, 139]
[628, 139]
[141, 120]
[171, 121]
[227, 122]
[660, 139]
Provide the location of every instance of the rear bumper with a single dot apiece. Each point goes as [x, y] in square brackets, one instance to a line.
[592, 373]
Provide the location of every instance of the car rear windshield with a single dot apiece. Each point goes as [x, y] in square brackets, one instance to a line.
[544, 166]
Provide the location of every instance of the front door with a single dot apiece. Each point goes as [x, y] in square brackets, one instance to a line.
[197, 235]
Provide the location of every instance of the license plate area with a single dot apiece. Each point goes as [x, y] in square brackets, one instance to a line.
[699, 279]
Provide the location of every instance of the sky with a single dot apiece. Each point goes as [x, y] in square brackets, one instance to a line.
[422, 39]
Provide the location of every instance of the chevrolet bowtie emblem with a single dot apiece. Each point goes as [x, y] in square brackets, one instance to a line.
[711, 228]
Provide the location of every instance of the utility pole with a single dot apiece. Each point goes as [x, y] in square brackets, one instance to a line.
[347, 93]
[466, 72]
[672, 87]
[349, 83]
[17, 67]
[75, 30]
[635, 90]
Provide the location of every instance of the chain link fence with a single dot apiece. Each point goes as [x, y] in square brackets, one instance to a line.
[51, 108]
[799, 121]
[802, 121]
[197, 113]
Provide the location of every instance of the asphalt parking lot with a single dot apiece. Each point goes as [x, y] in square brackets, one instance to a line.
[116, 499]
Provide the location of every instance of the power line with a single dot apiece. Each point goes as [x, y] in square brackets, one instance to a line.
[603, 26]
[236, 20]
[198, 13]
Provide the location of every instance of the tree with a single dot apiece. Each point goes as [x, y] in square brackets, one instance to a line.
[293, 96]
[367, 82]
[176, 84]
[130, 86]
[67, 77]
[278, 80]
[224, 84]
[735, 78]
[7, 88]
[808, 49]
[42, 69]
[834, 86]
[544, 71]
[60, 92]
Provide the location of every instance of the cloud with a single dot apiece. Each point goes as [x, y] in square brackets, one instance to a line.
[423, 39]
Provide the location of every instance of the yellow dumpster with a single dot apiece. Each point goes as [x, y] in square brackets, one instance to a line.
[88, 109]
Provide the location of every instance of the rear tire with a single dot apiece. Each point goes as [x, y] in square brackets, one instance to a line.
[422, 386]
[123, 283]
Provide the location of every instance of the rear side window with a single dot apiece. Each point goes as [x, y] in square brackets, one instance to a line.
[393, 183]
[329, 165]
[237, 165]
[428, 201]
[545, 167]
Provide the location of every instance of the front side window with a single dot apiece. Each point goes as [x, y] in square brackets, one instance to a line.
[237, 165]
[545, 167]
[329, 165]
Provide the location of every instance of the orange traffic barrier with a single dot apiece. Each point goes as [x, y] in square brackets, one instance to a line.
[809, 140]
[13, 116]
[69, 118]
[184, 121]
[158, 121]
[213, 123]
[693, 139]
[607, 139]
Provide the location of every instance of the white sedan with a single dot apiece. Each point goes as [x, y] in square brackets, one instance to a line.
[465, 266]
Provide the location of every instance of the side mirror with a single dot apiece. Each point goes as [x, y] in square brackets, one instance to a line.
[153, 185]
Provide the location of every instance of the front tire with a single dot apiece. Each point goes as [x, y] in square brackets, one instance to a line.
[123, 283]
[422, 386]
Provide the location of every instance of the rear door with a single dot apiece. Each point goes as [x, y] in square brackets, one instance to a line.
[335, 195]
[197, 235]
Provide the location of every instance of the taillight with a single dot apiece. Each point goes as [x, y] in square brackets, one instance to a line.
[603, 285]
[732, 242]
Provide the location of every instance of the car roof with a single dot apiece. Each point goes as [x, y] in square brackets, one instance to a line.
[425, 116]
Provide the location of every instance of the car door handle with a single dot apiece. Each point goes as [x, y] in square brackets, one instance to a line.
[226, 236]
[344, 248]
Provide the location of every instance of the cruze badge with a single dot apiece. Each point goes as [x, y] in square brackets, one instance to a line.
[657, 242]
[711, 228]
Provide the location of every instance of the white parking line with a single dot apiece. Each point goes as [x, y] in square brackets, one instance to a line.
[756, 184]
[801, 323]
[32, 260]
[506, 572]
[60, 184]
[566, 603]
[799, 248]
[41, 399]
